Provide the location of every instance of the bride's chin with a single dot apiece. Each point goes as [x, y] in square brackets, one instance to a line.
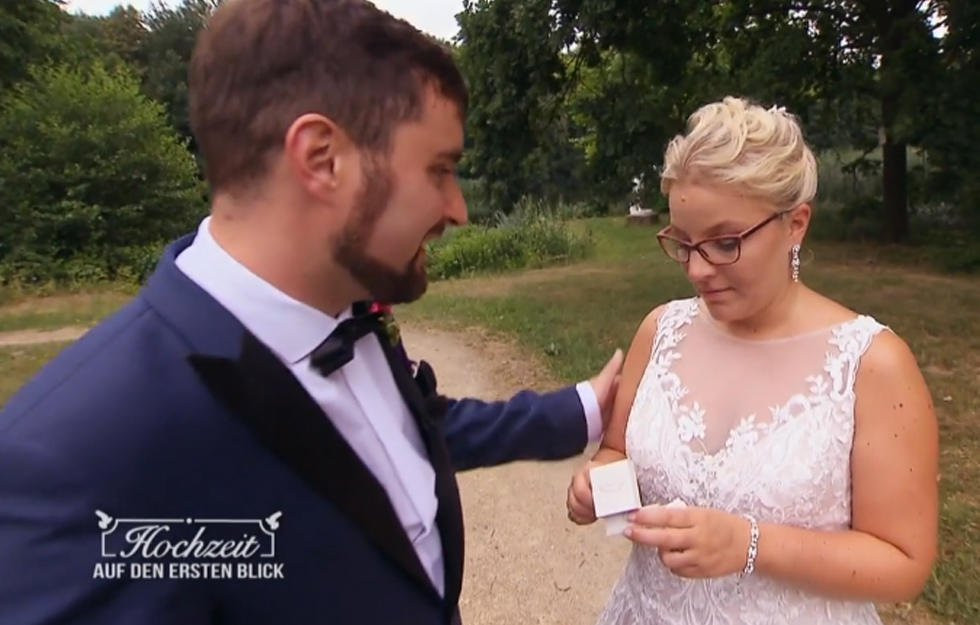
[722, 311]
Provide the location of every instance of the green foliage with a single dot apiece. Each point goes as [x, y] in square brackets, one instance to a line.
[54, 308]
[961, 258]
[953, 140]
[28, 34]
[570, 100]
[125, 35]
[518, 131]
[525, 239]
[165, 54]
[626, 116]
[615, 79]
[92, 179]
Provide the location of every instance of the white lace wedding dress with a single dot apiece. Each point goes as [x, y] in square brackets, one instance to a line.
[749, 427]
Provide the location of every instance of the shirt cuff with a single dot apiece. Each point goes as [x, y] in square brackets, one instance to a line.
[590, 406]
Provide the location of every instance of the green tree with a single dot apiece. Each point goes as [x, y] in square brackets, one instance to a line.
[509, 52]
[28, 34]
[884, 51]
[953, 142]
[92, 178]
[165, 54]
[626, 117]
[823, 58]
[869, 74]
[125, 34]
[599, 82]
[114, 40]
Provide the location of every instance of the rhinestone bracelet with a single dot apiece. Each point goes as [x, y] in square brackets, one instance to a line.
[753, 546]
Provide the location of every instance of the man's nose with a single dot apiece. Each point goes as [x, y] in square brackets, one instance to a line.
[456, 211]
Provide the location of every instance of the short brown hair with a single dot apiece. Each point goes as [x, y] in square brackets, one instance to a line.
[260, 64]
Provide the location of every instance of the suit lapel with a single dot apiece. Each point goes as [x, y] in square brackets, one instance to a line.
[449, 516]
[262, 392]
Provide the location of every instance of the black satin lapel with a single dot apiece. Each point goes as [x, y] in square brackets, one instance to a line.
[261, 391]
[449, 516]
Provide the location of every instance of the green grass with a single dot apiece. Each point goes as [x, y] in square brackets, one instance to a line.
[19, 364]
[57, 311]
[576, 316]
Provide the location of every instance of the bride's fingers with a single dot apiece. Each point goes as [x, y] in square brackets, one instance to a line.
[579, 512]
[581, 483]
[664, 538]
[581, 493]
[662, 516]
[584, 509]
[683, 563]
[689, 572]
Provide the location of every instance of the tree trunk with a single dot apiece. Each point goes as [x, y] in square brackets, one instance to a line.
[893, 19]
[895, 188]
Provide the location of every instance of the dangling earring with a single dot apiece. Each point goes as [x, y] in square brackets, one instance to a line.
[795, 263]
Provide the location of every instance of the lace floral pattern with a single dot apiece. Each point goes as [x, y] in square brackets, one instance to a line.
[793, 467]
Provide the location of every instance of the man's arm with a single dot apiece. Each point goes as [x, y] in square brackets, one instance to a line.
[531, 426]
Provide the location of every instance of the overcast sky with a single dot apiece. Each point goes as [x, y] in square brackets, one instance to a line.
[436, 17]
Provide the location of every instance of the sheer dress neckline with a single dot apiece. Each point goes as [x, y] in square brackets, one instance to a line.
[716, 326]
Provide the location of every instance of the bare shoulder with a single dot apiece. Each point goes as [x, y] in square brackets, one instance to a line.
[641, 347]
[890, 387]
[650, 323]
[636, 362]
[888, 359]
[645, 333]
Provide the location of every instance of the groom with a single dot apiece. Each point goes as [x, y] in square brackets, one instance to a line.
[246, 442]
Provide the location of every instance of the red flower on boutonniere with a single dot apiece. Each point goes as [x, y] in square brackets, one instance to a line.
[387, 318]
[421, 372]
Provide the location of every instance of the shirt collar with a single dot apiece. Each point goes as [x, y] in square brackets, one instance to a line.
[290, 328]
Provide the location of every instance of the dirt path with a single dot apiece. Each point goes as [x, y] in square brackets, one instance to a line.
[33, 337]
[525, 562]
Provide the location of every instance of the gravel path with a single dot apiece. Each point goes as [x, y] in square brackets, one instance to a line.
[525, 561]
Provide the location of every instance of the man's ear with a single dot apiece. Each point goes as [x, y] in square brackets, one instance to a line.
[319, 153]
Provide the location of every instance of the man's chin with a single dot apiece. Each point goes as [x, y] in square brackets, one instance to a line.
[416, 295]
[416, 289]
[402, 289]
[416, 279]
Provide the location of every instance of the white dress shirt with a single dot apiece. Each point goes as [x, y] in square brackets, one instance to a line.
[361, 398]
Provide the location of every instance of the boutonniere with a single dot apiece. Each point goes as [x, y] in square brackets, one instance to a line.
[387, 318]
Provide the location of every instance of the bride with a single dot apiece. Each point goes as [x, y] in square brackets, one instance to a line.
[798, 435]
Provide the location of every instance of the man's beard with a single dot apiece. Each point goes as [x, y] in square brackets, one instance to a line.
[384, 283]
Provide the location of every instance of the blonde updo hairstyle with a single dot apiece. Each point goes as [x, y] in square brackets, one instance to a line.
[737, 143]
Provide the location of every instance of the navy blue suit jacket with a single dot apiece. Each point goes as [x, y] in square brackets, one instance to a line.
[170, 409]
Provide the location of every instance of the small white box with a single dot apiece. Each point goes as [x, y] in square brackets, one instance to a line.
[615, 493]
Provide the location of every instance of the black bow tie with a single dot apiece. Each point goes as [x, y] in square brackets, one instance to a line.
[338, 349]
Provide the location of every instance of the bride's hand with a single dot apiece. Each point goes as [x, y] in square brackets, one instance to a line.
[581, 508]
[693, 542]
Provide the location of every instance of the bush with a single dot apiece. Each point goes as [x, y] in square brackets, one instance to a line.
[91, 177]
[958, 259]
[477, 204]
[522, 239]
